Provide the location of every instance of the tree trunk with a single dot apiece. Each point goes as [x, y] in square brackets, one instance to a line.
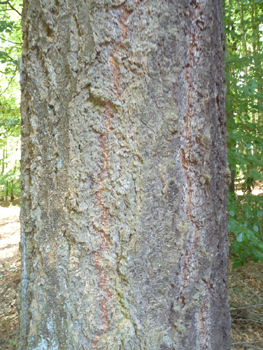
[12, 191]
[2, 195]
[124, 176]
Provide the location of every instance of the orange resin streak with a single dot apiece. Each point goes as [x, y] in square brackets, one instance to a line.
[108, 115]
[104, 244]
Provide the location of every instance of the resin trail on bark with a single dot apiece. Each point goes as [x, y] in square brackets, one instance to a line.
[124, 176]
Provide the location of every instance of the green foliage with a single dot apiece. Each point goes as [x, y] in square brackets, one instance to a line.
[9, 149]
[9, 121]
[244, 110]
[245, 223]
[10, 50]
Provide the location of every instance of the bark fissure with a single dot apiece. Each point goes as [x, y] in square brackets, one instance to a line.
[105, 245]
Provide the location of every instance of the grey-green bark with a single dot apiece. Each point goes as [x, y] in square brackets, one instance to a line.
[124, 176]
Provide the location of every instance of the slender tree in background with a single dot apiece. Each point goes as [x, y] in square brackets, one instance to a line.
[124, 176]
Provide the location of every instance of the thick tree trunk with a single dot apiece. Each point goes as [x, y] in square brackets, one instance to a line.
[124, 176]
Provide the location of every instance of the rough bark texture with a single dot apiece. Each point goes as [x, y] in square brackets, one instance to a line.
[124, 176]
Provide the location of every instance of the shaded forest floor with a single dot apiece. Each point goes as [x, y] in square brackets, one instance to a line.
[246, 305]
[9, 275]
[245, 289]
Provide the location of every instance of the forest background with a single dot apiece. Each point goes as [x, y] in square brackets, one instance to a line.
[243, 21]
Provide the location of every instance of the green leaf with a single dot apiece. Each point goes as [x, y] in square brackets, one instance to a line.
[240, 237]
[255, 259]
[237, 264]
[255, 228]
[6, 26]
[11, 342]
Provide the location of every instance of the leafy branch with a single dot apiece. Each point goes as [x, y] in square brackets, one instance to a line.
[10, 81]
[11, 42]
[11, 6]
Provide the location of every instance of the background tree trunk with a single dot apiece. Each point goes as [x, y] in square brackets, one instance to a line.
[124, 176]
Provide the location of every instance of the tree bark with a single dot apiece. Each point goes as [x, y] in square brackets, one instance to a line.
[124, 176]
